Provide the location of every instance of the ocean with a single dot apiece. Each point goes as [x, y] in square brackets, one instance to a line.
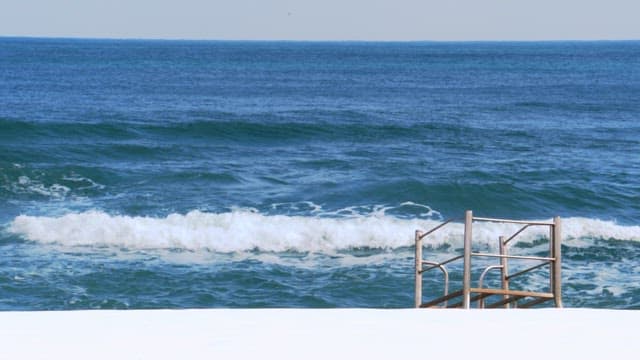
[141, 174]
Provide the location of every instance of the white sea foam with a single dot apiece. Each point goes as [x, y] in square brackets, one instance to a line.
[83, 182]
[30, 186]
[36, 185]
[242, 230]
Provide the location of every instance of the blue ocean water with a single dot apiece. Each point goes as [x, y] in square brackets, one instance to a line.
[185, 174]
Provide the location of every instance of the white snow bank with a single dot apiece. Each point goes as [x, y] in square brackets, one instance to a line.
[319, 334]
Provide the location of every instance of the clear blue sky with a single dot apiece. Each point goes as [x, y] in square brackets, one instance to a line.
[324, 19]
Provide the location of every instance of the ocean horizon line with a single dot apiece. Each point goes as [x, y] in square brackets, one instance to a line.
[363, 41]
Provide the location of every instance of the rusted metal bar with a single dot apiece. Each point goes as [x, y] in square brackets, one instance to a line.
[443, 263]
[455, 306]
[557, 264]
[507, 221]
[504, 302]
[466, 276]
[484, 293]
[474, 298]
[418, 270]
[527, 270]
[534, 302]
[442, 299]
[517, 233]
[512, 292]
[436, 228]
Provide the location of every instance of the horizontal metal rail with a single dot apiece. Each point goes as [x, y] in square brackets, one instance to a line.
[507, 221]
[539, 258]
[512, 292]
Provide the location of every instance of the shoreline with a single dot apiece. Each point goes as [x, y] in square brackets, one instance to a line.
[317, 333]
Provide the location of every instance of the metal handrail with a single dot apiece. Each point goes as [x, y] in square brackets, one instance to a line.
[509, 296]
[437, 227]
[446, 277]
[528, 269]
[521, 257]
[508, 221]
[484, 273]
[442, 263]
[516, 234]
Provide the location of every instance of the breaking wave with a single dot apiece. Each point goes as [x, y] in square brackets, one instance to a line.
[245, 230]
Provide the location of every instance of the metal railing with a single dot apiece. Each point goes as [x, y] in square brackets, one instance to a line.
[478, 295]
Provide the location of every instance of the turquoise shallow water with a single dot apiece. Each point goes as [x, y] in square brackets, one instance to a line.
[146, 174]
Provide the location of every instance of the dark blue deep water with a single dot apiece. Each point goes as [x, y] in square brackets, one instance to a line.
[180, 174]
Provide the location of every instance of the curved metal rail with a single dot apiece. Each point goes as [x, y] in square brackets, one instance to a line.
[446, 277]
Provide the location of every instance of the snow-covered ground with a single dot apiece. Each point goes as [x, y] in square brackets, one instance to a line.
[320, 334]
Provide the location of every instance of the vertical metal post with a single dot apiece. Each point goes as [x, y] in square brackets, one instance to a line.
[466, 276]
[505, 269]
[418, 294]
[557, 264]
[552, 269]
